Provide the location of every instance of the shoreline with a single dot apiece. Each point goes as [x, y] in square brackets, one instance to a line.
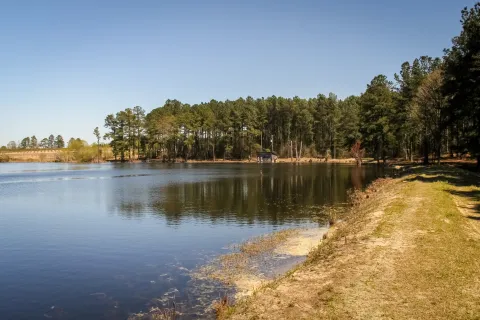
[378, 254]
[469, 164]
[260, 262]
[218, 161]
[261, 259]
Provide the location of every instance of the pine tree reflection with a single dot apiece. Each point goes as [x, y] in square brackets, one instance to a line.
[274, 195]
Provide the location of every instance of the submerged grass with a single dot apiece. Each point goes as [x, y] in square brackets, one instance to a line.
[242, 264]
[156, 314]
[266, 243]
[223, 307]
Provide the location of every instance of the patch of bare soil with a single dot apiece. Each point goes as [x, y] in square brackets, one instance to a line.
[302, 243]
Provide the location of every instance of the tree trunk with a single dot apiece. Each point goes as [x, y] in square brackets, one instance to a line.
[425, 151]
[291, 151]
[261, 140]
[411, 150]
[138, 145]
[175, 152]
[296, 151]
[382, 149]
[358, 158]
[438, 150]
[446, 140]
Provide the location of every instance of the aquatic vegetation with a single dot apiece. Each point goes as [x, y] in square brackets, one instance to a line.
[260, 259]
[222, 307]
[266, 243]
[156, 314]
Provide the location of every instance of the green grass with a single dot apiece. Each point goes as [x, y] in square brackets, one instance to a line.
[385, 227]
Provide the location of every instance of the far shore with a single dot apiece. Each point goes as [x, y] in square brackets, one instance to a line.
[40, 156]
[51, 156]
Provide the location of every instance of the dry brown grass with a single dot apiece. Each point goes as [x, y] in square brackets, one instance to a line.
[355, 220]
[4, 158]
[405, 252]
[29, 155]
[222, 307]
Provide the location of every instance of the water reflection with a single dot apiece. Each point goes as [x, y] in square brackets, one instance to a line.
[102, 241]
[275, 195]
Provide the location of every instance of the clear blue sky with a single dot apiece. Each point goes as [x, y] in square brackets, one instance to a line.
[65, 65]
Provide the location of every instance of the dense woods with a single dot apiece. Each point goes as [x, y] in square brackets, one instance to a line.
[432, 107]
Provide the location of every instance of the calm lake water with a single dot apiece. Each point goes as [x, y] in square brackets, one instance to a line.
[101, 241]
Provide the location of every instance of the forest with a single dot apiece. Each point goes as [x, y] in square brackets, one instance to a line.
[429, 109]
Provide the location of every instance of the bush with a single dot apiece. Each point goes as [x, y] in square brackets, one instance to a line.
[86, 154]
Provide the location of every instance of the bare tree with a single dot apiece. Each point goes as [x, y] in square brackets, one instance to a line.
[357, 152]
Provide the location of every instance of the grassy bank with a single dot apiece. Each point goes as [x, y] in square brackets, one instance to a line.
[409, 249]
[83, 154]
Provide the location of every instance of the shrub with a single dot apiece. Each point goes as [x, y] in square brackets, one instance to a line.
[86, 154]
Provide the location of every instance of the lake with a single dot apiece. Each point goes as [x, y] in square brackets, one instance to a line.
[102, 241]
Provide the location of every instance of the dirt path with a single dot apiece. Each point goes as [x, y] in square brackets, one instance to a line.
[412, 251]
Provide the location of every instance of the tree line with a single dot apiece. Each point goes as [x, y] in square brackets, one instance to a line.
[32, 142]
[431, 107]
[51, 142]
